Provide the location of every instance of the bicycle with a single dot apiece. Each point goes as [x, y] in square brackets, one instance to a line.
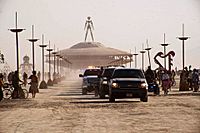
[9, 89]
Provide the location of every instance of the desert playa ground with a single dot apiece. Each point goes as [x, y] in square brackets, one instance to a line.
[62, 109]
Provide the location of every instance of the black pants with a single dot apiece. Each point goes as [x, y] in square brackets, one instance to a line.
[1, 94]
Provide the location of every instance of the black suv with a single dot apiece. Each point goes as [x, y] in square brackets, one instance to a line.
[104, 81]
[90, 80]
[128, 82]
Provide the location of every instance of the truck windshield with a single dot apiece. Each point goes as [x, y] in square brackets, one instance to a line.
[91, 72]
[108, 72]
[127, 73]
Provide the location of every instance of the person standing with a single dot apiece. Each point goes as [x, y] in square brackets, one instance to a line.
[195, 80]
[25, 76]
[149, 75]
[34, 84]
[17, 93]
[1, 86]
[190, 77]
[10, 77]
[165, 82]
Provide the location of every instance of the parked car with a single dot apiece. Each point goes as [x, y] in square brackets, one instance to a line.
[128, 83]
[104, 81]
[90, 80]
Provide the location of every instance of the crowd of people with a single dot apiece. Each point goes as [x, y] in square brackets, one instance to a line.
[14, 80]
[189, 79]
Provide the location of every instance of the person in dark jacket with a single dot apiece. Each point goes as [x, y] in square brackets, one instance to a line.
[195, 80]
[15, 83]
[149, 75]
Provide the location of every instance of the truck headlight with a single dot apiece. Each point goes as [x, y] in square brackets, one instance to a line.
[115, 85]
[143, 85]
[105, 82]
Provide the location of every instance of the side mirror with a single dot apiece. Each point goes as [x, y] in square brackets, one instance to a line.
[80, 75]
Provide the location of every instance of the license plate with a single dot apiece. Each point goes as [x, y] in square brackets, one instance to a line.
[129, 94]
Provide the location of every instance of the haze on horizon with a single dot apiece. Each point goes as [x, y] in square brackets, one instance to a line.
[121, 24]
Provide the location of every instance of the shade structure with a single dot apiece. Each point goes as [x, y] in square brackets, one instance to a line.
[86, 54]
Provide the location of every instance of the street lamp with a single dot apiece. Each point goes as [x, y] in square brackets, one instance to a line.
[142, 52]
[54, 66]
[148, 51]
[16, 31]
[43, 84]
[58, 62]
[33, 40]
[130, 57]
[49, 82]
[135, 54]
[164, 45]
[183, 39]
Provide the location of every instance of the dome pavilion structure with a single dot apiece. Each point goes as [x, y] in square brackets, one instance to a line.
[86, 54]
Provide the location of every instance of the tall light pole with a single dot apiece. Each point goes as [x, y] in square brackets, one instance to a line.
[54, 66]
[49, 82]
[58, 59]
[135, 54]
[43, 84]
[17, 30]
[148, 51]
[58, 62]
[142, 52]
[33, 40]
[164, 45]
[183, 39]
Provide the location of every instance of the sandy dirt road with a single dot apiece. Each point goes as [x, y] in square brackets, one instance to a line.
[62, 109]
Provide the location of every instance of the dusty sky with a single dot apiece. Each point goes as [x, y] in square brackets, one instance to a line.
[121, 24]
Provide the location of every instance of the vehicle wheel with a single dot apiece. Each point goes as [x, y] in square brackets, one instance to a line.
[96, 92]
[144, 99]
[7, 93]
[111, 98]
[84, 91]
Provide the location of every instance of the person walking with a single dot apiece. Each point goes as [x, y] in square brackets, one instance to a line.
[34, 84]
[165, 82]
